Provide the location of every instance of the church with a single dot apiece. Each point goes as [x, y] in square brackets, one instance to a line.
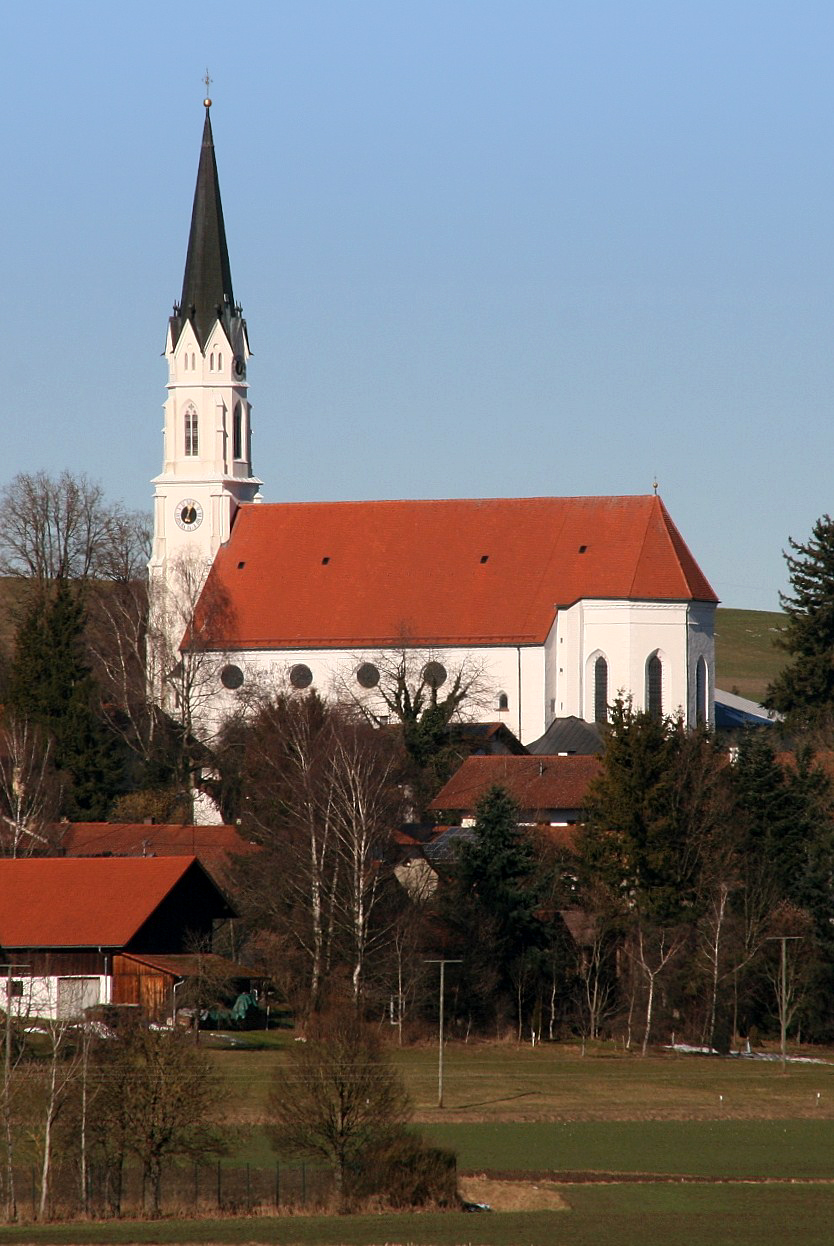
[557, 604]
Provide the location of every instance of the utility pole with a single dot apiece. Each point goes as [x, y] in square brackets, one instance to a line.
[442, 963]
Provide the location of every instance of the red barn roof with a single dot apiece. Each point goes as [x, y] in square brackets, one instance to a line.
[60, 902]
[535, 783]
[466, 572]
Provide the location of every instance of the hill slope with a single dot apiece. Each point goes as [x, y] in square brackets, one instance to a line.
[746, 656]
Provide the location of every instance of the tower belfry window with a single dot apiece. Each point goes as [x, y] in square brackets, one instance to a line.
[237, 433]
[192, 446]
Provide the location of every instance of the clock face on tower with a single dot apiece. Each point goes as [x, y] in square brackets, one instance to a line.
[188, 514]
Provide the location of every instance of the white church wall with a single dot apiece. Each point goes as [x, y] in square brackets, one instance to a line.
[517, 671]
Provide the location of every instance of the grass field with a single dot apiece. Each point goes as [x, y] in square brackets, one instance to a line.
[506, 1082]
[628, 1215]
[746, 658]
[762, 1142]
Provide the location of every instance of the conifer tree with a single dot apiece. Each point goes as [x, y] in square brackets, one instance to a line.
[50, 686]
[804, 689]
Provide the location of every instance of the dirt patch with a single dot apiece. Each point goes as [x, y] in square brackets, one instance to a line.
[512, 1195]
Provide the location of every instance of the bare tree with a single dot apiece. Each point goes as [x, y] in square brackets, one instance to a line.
[29, 790]
[158, 1096]
[335, 1097]
[652, 951]
[62, 527]
[360, 797]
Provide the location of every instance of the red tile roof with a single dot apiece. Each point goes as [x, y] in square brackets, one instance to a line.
[535, 783]
[211, 844]
[60, 902]
[463, 572]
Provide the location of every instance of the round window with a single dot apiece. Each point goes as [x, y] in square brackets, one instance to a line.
[367, 675]
[300, 676]
[231, 677]
[434, 674]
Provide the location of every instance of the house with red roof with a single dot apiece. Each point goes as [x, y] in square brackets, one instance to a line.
[549, 790]
[76, 932]
[557, 603]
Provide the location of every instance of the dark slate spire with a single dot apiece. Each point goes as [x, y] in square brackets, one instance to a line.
[207, 284]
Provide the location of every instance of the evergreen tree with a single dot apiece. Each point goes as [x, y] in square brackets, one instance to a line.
[637, 839]
[804, 689]
[51, 686]
[499, 872]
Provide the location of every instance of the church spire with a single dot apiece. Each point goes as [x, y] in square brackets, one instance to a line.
[207, 285]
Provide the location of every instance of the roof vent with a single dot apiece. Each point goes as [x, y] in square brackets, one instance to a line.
[484, 557]
[325, 560]
[241, 565]
[582, 548]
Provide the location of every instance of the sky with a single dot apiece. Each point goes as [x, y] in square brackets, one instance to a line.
[484, 248]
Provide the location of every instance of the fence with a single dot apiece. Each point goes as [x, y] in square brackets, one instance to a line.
[196, 1189]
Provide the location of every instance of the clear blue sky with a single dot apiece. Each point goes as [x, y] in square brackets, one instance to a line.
[484, 248]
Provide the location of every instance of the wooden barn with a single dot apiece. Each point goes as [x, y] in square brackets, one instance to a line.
[76, 932]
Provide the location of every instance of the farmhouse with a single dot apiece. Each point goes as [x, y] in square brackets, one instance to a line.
[103, 930]
[556, 603]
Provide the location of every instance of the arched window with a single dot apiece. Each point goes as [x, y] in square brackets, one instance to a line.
[600, 690]
[185, 360]
[211, 362]
[220, 361]
[192, 445]
[654, 686]
[502, 702]
[193, 364]
[237, 433]
[701, 685]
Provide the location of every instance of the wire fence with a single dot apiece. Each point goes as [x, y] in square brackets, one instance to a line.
[185, 1190]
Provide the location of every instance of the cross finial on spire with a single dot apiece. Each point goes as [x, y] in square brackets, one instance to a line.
[208, 81]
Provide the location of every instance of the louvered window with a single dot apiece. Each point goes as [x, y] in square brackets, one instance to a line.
[191, 437]
[237, 433]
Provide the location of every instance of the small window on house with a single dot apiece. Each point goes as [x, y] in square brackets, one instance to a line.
[600, 690]
[220, 361]
[191, 432]
[211, 362]
[193, 364]
[654, 686]
[15, 988]
[185, 362]
[367, 675]
[434, 674]
[502, 702]
[237, 433]
[300, 676]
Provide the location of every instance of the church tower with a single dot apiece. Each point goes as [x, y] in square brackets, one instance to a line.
[207, 460]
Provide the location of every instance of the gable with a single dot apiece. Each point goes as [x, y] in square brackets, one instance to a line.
[466, 572]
